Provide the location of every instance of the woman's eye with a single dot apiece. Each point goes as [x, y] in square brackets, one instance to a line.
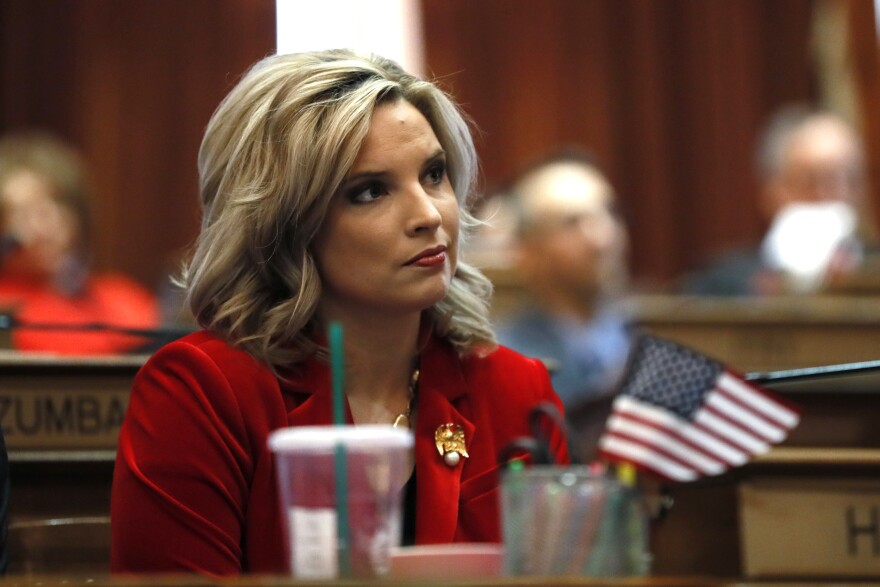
[368, 193]
[436, 173]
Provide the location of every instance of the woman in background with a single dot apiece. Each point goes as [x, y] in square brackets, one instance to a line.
[45, 246]
[334, 188]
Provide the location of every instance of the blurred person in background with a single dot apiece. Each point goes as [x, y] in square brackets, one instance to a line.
[811, 167]
[45, 250]
[569, 253]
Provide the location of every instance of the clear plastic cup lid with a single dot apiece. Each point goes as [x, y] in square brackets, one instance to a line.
[366, 437]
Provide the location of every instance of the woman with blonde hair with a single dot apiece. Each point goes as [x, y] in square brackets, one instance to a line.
[334, 188]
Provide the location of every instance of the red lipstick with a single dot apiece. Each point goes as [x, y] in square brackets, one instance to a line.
[433, 257]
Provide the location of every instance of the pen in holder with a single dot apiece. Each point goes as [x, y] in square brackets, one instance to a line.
[572, 521]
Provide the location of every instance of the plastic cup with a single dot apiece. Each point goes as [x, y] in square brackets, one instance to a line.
[375, 461]
[571, 521]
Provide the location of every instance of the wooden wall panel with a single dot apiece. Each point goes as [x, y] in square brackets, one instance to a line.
[131, 84]
[668, 93]
[865, 51]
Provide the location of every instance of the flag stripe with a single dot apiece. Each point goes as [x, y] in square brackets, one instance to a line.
[731, 432]
[646, 458]
[676, 435]
[683, 430]
[743, 416]
[647, 411]
[758, 398]
[734, 426]
[683, 434]
[622, 437]
[668, 444]
[746, 452]
[686, 431]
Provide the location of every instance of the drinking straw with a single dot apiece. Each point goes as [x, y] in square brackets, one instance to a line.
[337, 363]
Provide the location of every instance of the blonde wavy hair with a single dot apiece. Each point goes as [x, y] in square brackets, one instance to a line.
[274, 153]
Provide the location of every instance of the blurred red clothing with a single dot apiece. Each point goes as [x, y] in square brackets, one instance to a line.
[107, 299]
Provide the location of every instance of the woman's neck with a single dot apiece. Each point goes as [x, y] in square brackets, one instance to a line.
[380, 356]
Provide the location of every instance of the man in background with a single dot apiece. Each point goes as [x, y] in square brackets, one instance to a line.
[812, 182]
[569, 253]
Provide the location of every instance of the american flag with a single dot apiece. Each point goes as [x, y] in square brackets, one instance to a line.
[682, 415]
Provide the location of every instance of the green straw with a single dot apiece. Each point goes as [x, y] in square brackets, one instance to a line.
[337, 362]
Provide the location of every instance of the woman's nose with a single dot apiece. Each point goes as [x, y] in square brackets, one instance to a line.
[422, 212]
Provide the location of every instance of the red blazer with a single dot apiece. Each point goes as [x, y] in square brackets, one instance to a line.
[194, 484]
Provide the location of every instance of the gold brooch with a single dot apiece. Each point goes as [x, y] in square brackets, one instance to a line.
[449, 439]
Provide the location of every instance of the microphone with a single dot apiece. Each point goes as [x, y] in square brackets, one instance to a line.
[9, 322]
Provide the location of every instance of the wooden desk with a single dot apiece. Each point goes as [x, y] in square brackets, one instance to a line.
[61, 419]
[767, 334]
[60, 406]
[831, 460]
[272, 581]
[712, 530]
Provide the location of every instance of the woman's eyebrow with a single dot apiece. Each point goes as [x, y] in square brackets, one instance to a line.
[368, 174]
[362, 175]
[438, 154]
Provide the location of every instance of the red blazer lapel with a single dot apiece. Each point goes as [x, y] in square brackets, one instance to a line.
[442, 391]
[308, 396]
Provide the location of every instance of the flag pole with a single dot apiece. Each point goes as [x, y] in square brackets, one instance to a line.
[808, 373]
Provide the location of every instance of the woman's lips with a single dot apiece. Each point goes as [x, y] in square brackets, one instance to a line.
[433, 257]
[430, 260]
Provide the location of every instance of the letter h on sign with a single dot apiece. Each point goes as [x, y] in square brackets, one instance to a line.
[854, 528]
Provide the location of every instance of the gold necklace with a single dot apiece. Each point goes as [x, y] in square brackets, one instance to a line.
[403, 420]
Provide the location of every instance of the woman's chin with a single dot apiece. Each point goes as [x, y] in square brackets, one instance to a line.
[428, 300]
